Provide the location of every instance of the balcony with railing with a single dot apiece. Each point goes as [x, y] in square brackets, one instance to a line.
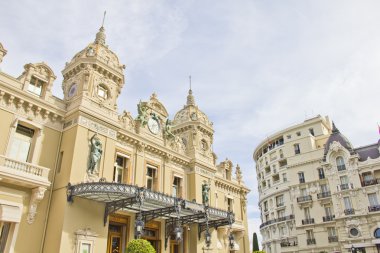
[344, 187]
[308, 221]
[280, 204]
[341, 167]
[349, 211]
[303, 199]
[328, 218]
[374, 208]
[26, 174]
[333, 238]
[285, 244]
[310, 241]
[369, 182]
[323, 195]
[285, 218]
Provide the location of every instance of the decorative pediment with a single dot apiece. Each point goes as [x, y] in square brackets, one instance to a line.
[156, 106]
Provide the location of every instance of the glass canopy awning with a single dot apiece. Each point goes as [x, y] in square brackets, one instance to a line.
[150, 205]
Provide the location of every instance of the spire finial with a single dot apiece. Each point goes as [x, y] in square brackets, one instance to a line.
[104, 17]
[101, 36]
[190, 97]
[334, 128]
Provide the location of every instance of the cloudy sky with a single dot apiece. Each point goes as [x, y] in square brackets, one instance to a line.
[256, 66]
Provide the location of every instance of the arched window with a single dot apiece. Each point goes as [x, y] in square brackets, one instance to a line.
[340, 163]
[377, 233]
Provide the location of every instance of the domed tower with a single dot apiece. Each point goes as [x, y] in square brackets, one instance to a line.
[195, 130]
[94, 78]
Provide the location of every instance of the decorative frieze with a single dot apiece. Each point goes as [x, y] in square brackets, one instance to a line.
[96, 127]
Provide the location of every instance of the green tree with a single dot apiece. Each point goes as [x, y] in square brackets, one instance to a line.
[255, 242]
[139, 246]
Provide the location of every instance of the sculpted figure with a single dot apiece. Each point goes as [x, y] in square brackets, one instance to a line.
[205, 191]
[142, 117]
[168, 129]
[96, 153]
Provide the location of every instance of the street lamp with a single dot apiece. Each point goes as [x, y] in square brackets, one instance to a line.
[231, 240]
[208, 238]
[139, 226]
[178, 233]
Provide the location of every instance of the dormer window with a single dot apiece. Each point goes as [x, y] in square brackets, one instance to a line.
[35, 86]
[102, 91]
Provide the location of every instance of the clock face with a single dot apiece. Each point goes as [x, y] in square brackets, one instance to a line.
[73, 90]
[194, 116]
[153, 126]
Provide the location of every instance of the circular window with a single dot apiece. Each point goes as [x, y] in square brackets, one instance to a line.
[377, 233]
[354, 232]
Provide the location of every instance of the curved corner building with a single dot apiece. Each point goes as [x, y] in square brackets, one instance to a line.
[317, 192]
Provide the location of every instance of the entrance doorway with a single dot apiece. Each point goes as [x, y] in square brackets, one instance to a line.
[152, 235]
[117, 234]
[174, 247]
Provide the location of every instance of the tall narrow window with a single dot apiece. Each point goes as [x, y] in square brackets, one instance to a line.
[307, 212]
[120, 169]
[230, 205]
[301, 177]
[347, 203]
[321, 173]
[324, 188]
[331, 231]
[284, 178]
[309, 234]
[177, 187]
[4, 234]
[340, 163]
[311, 131]
[151, 178]
[35, 86]
[21, 143]
[372, 198]
[344, 183]
[328, 210]
[297, 149]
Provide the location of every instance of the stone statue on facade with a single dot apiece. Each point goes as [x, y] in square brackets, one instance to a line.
[168, 129]
[205, 193]
[96, 153]
[143, 115]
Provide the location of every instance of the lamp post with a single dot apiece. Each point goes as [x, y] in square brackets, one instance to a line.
[231, 240]
[139, 226]
[208, 237]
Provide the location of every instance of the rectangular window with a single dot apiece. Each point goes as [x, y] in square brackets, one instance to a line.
[301, 177]
[311, 131]
[297, 149]
[265, 206]
[4, 234]
[328, 210]
[177, 187]
[284, 178]
[35, 86]
[230, 205]
[307, 212]
[120, 169]
[321, 173]
[309, 234]
[347, 203]
[331, 231]
[303, 192]
[324, 188]
[298, 133]
[372, 198]
[280, 200]
[281, 214]
[21, 143]
[151, 178]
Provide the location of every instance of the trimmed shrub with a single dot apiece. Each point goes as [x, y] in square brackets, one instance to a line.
[140, 246]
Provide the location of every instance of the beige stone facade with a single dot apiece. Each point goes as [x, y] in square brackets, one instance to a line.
[75, 173]
[317, 192]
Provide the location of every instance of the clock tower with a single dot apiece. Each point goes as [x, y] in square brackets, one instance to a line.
[94, 78]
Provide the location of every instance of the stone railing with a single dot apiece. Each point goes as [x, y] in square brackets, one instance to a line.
[23, 170]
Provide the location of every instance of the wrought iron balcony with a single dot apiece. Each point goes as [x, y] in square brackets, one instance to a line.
[344, 186]
[30, 175]
[289, 217]
[333, 238]
[375, 208]
[308, 221]
[373, 181]
[328, 218]
[310, 241]
[323, 195]
[304, 198]
[288, 244]
[349, 211]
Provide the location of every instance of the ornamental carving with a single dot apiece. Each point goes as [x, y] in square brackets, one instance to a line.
[37, 195]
